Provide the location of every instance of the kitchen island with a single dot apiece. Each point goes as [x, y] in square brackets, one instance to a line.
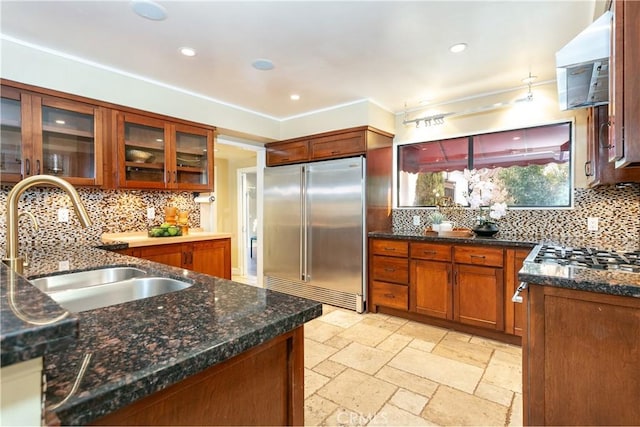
[581, 346]
[143, 348]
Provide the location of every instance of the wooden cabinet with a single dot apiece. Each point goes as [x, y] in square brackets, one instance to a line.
[211, 257]
[431, 280]
[328, 145]
[514, 312]
[389, 274]
[624, 90]
[581, 355]
[463, 286]
[155, 153]
[597, 168]
[43, 134]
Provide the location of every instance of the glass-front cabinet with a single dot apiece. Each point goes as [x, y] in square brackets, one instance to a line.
[46, 135]
[163, 155]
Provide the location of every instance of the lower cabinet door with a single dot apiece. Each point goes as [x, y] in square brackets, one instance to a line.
[212, 257]
[479, 296]
[431, 288]
[165, 254]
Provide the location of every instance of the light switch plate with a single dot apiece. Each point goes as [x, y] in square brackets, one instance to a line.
[63, 265]
[416, 220]
[592, 224]
[63, 215]
[151, 213]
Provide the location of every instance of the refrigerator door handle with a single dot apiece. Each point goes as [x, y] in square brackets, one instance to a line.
[303, 224]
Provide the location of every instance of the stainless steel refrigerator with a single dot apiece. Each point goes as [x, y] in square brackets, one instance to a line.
[314, 231]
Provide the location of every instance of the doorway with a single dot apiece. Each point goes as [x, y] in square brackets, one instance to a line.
[248, 223]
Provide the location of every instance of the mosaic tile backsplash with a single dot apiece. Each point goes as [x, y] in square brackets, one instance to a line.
[111, 211]
[616, 207]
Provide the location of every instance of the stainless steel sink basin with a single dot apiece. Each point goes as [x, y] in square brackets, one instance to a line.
[84, 279]
[92, 297]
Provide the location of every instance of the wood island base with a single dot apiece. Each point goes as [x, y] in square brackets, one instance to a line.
[262, 386]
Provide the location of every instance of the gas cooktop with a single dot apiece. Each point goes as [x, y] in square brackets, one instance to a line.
[588, 258]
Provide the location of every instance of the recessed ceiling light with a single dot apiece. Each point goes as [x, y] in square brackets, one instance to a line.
[457, 48]
[60, 122]
[188, 51]
[516, 138]
[149, 9]
[295, 97]
[263, 64]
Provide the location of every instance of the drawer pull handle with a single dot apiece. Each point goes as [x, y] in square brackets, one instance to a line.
[516, 296]
[478, 256]
[390, 269]
[389, 295]
[390, 249]
[429, 252]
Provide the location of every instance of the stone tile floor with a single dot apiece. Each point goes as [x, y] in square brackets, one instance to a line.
[378, 370]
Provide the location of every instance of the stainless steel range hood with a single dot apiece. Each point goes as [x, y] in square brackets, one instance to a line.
[582, 67]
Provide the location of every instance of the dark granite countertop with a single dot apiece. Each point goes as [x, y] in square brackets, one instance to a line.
[600, 281]
[506, 241]
[143, 346]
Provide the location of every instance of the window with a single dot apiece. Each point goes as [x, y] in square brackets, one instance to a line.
[532, 164]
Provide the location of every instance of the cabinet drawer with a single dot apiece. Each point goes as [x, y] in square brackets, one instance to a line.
[389, 269]
[388, 295]
[287, 152]
[478, 255]
[431, 251]
[398, 248]
[338, 145]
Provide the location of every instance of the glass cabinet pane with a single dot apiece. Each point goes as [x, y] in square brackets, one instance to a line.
[68, 143]
[10, 136]
[144, 152]
[191, 158]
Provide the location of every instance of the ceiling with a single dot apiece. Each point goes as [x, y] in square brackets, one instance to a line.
[395, 54]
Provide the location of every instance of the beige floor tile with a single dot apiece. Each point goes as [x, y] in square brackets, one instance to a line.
[313, 381]
[317, 409]
[338, 342]
[381, 323]
[391, 415]
[421, 345]
[496, 345]
[494, 393]
[453, 407]
[329, 368]
[515, 413]
[320, 331]
[437, 368]
[409, 401]
[394, 343]
[342, 318]
[358, 392]
[505, 370]
[315, 352]
[422, 331]
[463, 351]
[407, 380]
[457, 336]
[363, 358]
[366, 334]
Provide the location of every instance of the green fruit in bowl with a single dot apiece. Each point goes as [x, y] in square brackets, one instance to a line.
[165, 225]
[173, 231]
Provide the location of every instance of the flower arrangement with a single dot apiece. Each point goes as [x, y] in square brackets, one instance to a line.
[485, 192]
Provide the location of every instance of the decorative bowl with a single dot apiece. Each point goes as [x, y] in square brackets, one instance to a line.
[165, 230]
[138, 156]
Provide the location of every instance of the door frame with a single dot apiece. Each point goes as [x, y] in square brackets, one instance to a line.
[242, 220]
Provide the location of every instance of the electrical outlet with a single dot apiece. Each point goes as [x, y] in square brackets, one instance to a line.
[151, 213]
[63, 215]
[416, 220]
[63, 265]
[592, 224]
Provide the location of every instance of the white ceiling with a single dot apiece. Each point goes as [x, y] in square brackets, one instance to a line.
[331, 53]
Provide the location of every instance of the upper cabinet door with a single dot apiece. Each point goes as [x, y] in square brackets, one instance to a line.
[68, 140]
[142, 148]
[192, 158]
[51, 136]
[14, 132]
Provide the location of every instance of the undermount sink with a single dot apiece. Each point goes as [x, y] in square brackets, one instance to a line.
[85, 291]
[82, 279]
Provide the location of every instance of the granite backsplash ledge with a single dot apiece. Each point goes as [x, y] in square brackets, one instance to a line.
[616, 207]
[111, 211]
